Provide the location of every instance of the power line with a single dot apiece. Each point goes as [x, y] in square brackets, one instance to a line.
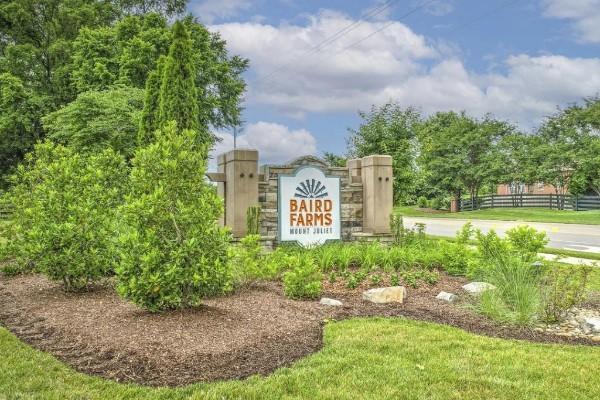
[337, 35]
[355, 24]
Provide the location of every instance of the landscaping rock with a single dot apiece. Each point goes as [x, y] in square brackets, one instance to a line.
[330, 302]
[393, 294]
[592, 325]
[449, 297]
[478, 287]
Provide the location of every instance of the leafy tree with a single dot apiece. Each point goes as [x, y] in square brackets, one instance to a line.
[557, 148]
[172, 251]
[19, 122]
[98, 120]
[390, 130]
[334, 160]
[585, 120]
[64, 209]
[459, 152]
[39, 47]
[138, 42]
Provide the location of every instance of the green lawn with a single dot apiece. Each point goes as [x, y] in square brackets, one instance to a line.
[363, 358]
[512, 214]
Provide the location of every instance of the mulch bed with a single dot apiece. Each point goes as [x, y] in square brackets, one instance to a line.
[254, 331]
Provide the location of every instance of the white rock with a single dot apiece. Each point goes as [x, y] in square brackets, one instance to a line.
[330, 302]
[449, 297]
[591, 325]
[478, 287]
[393, 294]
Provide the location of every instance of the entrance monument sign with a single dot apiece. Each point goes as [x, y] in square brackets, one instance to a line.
[309, 207]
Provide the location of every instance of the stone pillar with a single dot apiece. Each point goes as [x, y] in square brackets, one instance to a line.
[355, 170]
[378, 193]
[240, 189]
[454, 205]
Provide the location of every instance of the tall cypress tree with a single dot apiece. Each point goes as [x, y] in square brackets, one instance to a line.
[149, 121]
[178, 93]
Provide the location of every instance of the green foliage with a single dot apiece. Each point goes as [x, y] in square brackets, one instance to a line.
[172, 252]
[334, 160]
[253, 220]
[465, 234]
[303, 280]
[390, 130]
[402, 236]
[422, 202]
[64, 211]
[98, 120]
[455, 257]
[150, 113]
[516, 298]
[527, 241]
[140, 41]
[563, 288]
[20, 128]
[459, 152]
[178, 90]
[248, 261]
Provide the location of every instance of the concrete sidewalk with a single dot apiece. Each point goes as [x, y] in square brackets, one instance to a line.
[562, 236]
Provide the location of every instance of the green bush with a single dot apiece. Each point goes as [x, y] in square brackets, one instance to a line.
[64, 211]
[527, 241]
[247, 260]
[516, 298]
[172, 251]
[422, 202]
[303, 280]
[455, 257]
[562, 289]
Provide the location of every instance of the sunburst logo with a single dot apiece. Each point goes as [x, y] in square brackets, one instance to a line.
[311, 189]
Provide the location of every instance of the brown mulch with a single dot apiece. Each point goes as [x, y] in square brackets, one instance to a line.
[253, 331]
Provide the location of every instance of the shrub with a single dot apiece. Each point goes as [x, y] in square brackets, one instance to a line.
[516, 298]
[172, 252]
[455, 257]
[304, 278]
[402, 236]
[64, 211]
[247, 260]
[465, 234]
[422, 202]
[562, 289]
[527, 241]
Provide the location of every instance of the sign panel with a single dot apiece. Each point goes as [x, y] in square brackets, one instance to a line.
[309, 207]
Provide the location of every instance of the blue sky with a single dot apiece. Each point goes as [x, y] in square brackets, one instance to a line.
[518, 60]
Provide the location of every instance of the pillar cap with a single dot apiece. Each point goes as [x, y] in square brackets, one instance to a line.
[238, 155]
[376, 161]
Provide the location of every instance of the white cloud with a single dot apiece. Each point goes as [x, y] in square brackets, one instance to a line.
[276, 143]
[585, 15]
[401, 65]
[209, 11]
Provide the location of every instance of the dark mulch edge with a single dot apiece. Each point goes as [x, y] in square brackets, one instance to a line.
[262, 357]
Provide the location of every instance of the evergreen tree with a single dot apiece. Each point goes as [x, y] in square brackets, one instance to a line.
[178, 91]
[148, 122]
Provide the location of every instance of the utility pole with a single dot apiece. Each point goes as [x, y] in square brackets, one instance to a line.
[235, 137]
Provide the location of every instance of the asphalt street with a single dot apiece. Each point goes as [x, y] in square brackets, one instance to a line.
[562, 236]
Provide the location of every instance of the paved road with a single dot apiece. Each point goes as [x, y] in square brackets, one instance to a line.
[562, 236]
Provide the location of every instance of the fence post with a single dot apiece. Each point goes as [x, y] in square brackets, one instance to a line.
[576, 203]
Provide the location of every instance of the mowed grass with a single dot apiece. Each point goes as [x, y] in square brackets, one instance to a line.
[362, 358]
[511, 214]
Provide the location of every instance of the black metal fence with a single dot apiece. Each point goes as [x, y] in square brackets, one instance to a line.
[552, 201]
